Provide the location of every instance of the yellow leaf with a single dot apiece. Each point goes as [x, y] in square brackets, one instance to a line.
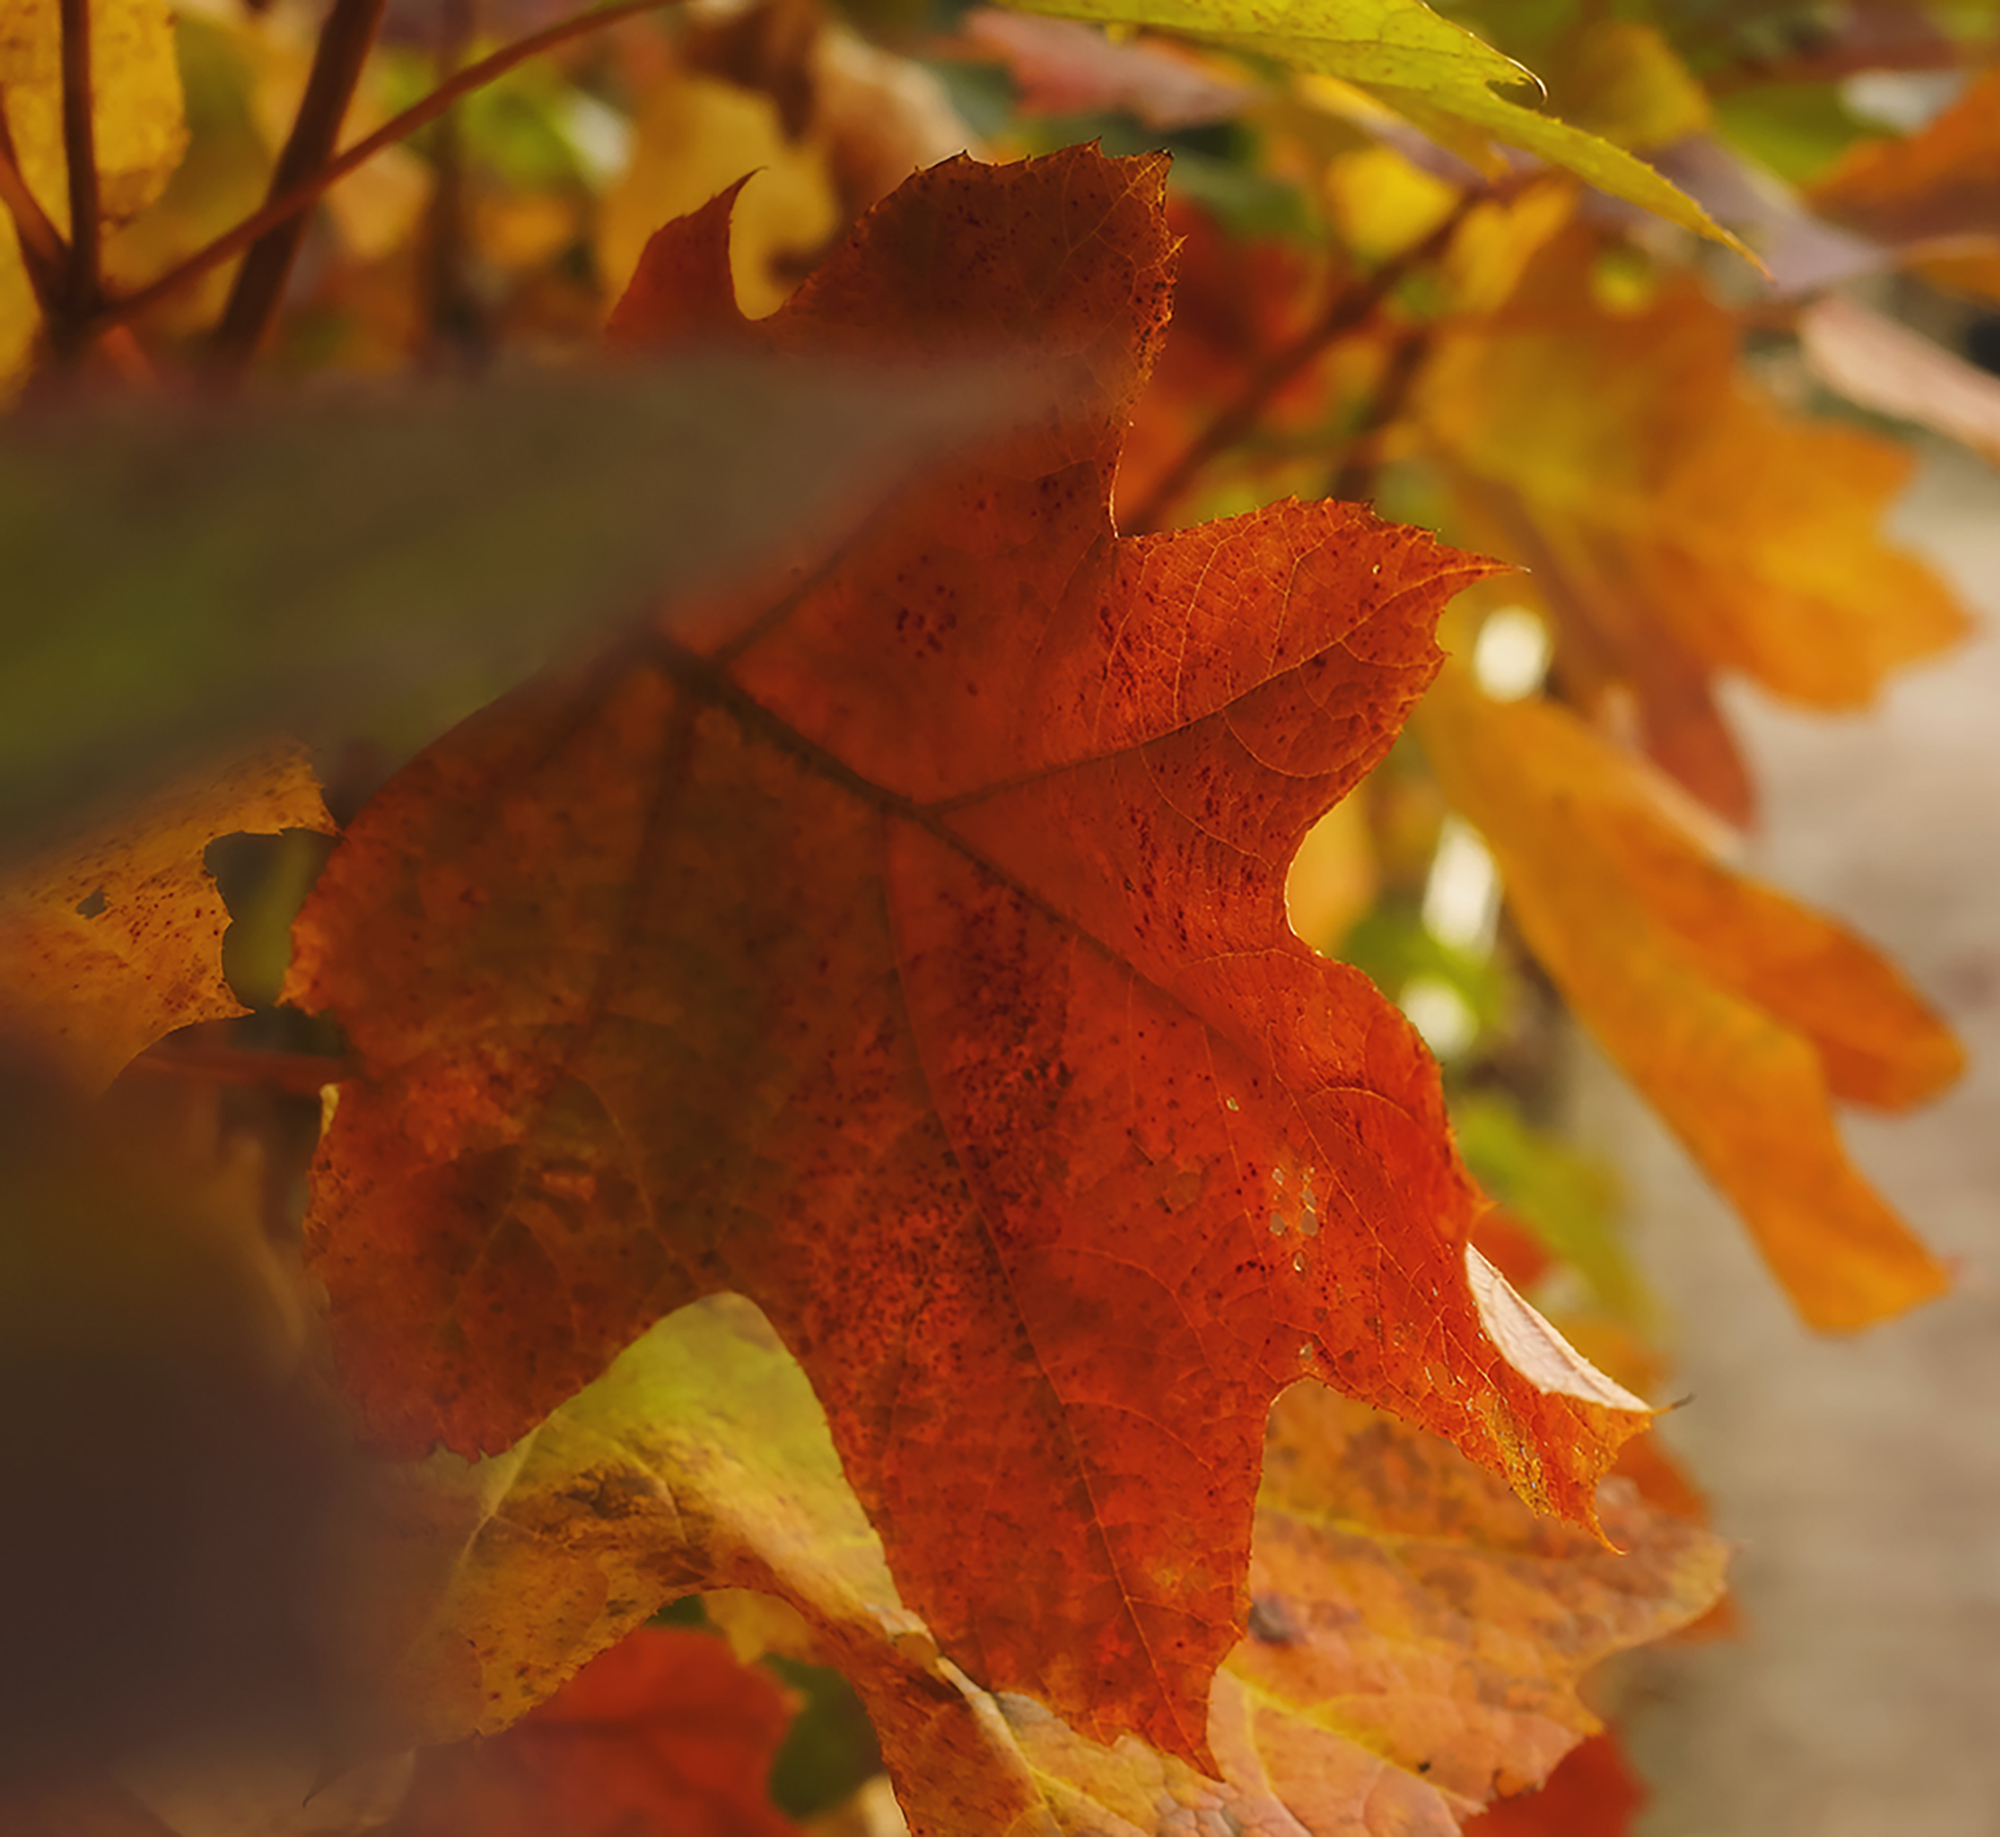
[136, 95]
[1738, 1013]
[116, 937]
[1676, 519]
[1382, 204]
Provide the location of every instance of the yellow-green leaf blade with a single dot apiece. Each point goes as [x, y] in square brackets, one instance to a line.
[1434, 73]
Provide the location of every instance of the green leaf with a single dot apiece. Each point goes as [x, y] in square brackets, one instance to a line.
[1433, 73]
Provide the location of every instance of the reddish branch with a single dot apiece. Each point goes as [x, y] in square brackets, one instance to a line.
[80, 289]
[344, 43]
[1348, 311]
[307, 192]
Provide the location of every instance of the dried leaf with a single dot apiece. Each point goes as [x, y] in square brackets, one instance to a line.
[1739, 1014]
[116, 936]
[909, 953]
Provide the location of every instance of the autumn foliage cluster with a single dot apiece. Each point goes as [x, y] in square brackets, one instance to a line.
[797, 813]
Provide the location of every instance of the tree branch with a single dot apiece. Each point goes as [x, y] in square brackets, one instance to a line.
[308, 191]
[344, 44]
[80, 292]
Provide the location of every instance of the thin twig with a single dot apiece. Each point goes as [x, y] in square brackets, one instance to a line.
[308, 191]
[344, 43]
[1349, 310]
[455, 329]
[44, 253]
[80, 154]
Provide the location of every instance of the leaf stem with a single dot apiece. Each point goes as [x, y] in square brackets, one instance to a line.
[1348, 311]
[308, 190]
[80, 292]
[344, 43]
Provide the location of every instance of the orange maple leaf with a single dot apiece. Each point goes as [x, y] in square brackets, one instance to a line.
[909, 953]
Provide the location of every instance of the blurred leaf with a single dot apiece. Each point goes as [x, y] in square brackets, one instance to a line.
[1594, 1793]
[666, 1735]
[1881, 365]
[1622, 79]
[1738, 1013]
[185, 579]
[1942, 181]
[1796, 129]
[1677, 520]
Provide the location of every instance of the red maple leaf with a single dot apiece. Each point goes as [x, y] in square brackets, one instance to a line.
[908, 952]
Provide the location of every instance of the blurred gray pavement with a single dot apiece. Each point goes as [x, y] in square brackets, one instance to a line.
[1860, 1476]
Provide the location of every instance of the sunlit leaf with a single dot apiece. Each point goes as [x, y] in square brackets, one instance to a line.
[1739, 1014]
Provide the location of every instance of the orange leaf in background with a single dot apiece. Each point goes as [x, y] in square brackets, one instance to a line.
[1594, 1793]
[1739, 1014]
[1940, 185]
[1416, 1638]
[1676, 521]
[1409, 1610]
[910, 954]
[116, 936]
[666, 1735]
